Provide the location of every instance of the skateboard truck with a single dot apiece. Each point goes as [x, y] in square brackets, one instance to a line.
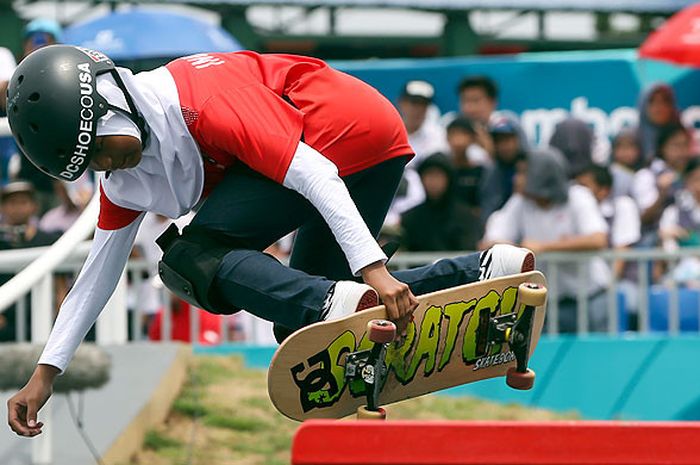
[366, 370]
[517, 333]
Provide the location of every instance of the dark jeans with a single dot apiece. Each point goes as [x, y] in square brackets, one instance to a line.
[256, 212]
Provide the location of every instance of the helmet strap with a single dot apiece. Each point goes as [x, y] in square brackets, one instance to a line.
[133, 114]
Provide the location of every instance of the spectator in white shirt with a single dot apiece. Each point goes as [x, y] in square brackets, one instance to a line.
[622, 215]
[680, 225]
[626, 161]
[553, 216]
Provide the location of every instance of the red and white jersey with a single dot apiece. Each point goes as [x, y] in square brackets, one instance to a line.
[209, 111]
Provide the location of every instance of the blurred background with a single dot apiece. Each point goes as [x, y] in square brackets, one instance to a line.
[567, 126]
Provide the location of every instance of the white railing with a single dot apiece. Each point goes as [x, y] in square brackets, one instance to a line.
[113, 328]
[551, 263]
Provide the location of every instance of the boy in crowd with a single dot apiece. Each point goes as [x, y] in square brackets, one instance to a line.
[467, 159]
[442, 222]
[478, 99]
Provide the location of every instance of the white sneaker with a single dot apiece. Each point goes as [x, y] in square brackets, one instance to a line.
[348, 297]
[504, 260]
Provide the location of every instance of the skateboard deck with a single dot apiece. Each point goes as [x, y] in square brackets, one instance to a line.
[459, 335]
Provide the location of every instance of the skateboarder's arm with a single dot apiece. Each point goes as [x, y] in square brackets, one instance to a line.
[316, 178]
[93, 287]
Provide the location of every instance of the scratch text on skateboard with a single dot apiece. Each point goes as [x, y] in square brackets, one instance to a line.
[431, 343]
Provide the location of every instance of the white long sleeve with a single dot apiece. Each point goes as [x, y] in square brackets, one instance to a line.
[316, 178]
[93, 288]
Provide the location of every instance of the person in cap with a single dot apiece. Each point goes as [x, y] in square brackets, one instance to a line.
[425, 135]
[266, 144]
[18, 218]
[40, 33]
[510, 148]
[552, 215]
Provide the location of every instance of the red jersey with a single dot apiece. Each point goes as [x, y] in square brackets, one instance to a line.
[256, 108]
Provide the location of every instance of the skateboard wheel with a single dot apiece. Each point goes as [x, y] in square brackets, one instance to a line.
[532, 294]
[381, 331]
[520, 381]
[364, 414]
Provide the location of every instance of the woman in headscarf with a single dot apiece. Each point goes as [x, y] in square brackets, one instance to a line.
[657, 110]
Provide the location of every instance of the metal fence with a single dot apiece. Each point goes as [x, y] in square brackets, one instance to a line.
[112, 326]
[551, 263]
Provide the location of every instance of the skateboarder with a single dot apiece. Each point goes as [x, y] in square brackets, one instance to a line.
[263, 145]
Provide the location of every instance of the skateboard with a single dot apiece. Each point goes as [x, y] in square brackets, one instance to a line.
[460, 335]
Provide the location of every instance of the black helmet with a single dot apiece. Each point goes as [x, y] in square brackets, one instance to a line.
[53, 107]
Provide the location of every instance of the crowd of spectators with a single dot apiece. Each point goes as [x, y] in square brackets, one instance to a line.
[484, 182]
[475, 180]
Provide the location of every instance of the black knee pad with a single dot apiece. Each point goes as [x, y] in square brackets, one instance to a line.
[189, 266]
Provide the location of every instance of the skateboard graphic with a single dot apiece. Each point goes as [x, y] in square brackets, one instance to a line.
[459, 335]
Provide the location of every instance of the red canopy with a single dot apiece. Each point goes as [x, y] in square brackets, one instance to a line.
[677, 40]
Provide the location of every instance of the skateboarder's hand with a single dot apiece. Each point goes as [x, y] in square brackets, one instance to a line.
[22, 408]
[395, 295]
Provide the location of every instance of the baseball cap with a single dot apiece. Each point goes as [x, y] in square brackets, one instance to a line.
[44, 25]
[502, 125]
[419, 91]
[16, 187]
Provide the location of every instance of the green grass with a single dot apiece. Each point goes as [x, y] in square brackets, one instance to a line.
[225, 408]
[236, 423]
[157, 441]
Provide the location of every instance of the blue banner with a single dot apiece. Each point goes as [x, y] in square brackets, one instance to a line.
[600, 87]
